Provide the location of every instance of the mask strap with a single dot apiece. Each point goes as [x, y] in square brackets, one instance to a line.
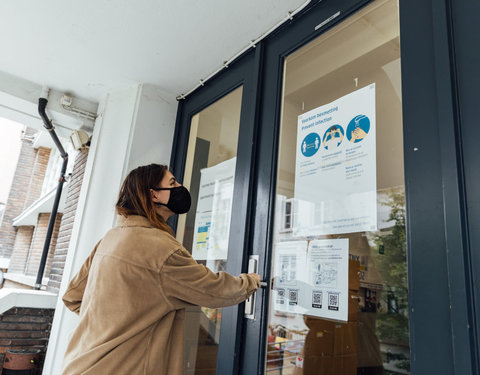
[159, 203]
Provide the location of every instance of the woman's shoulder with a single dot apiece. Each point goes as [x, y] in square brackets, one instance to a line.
[136, 226]
[145, 246]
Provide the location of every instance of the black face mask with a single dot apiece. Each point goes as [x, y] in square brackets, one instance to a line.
[179, 201]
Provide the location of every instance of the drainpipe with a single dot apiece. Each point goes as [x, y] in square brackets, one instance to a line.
[42, 104]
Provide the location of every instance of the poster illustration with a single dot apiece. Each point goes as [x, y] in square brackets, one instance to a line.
[335, 174]
[289, 278]
[311, 278]
[214, 211]
[327, 267]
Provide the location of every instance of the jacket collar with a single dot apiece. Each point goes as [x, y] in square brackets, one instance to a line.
[133, 221]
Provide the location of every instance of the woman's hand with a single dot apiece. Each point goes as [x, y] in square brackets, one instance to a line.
[255, 275]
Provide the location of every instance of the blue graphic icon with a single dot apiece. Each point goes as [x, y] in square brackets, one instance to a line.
[310, 144]
[358, 128]
[333, 137]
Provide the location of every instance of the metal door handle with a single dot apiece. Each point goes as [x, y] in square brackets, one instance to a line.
[250, 302]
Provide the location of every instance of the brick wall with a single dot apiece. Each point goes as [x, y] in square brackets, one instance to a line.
[25, 328]
[37, 175]
[36, 249]
[21, 249]
[63, 242]
[18, 193]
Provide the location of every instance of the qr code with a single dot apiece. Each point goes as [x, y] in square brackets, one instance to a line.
[293, 297]
[333, 301]
[281, 296]
[317, 298]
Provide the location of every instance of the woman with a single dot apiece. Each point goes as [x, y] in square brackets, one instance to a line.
[132, 291]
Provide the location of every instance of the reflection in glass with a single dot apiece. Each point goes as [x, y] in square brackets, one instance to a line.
[204, 231]
[312, 269]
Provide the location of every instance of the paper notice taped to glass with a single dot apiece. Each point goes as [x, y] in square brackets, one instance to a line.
[335, 172]
[289, 277]
[311, 278]
[327, 269]
[214, 211]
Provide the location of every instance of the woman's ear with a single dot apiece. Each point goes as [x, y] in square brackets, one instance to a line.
[153, 195]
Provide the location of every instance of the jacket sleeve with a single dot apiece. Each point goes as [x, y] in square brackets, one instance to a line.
[74, 293]
[185, 282]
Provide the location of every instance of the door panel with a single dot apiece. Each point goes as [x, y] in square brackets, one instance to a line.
[344, 187]
[205, 230]
[330, 50]
[363, 48]
[214, 134]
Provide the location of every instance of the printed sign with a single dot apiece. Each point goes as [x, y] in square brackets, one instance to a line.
[327, 268]
[214, 211]
[335, 175]
[289, 278]
[311, 278]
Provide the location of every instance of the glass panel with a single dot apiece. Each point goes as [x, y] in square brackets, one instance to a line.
[339, 299]
[204, 231]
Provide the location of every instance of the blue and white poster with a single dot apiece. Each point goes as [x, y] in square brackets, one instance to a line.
[335, 174]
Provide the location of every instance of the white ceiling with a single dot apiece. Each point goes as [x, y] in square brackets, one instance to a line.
[90, 47]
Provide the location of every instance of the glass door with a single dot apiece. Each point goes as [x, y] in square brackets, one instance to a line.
[205, 230]
[319, 197]
[338, 303]
[212, 156]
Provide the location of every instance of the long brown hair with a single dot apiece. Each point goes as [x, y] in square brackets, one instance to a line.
[134, 197]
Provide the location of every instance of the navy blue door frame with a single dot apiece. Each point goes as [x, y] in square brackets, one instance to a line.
[440, 80]
[244, 72]
[464, 38]
[443, 316]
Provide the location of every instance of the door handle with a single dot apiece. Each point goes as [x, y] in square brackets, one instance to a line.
[250, 302]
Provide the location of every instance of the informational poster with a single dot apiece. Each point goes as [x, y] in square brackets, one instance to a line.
[214, 211]
[327, 267]
[290, 275]
[335, 174]
[311, 278]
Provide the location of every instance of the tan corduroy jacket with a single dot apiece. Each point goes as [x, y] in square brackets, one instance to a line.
[131, 295]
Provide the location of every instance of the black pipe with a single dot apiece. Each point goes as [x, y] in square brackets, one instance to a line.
[42, 104]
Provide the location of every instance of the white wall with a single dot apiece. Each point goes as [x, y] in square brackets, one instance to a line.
[135, 127]
[154, 126]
